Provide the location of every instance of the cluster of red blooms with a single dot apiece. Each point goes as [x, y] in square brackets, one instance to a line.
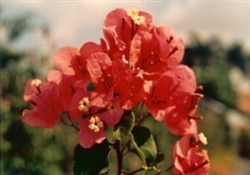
[136, 61]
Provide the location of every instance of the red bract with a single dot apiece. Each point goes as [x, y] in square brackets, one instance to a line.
[188, 158]
[46, 107]
[63, 58]
[158, 95]
[120, 26]
[99, 67]
[126, 84]
[171, 98]
[113, 112]
[154, 51]
[65, 89]
[33, 88]
[122, 75]
[169, 90]
[179, 119]
[72, 64]
[132, 93]
[171, 45]
[86, 51]
[145, 56]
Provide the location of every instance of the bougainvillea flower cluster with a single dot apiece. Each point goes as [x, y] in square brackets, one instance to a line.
[135, 62]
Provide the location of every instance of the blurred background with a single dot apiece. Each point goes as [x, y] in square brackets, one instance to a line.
[217, 42]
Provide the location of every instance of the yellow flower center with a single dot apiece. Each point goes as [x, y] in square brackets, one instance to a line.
[111, 108]
[95, 123]
[36, 82]
[134, 14]
[84, 104]
[133, 11]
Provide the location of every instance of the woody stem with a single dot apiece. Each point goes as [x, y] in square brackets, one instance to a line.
[119, 157]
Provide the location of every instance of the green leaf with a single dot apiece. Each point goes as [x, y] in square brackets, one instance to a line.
[159, 159]
[143, 142]
[93, 160]
[125, 126]
[138, 150]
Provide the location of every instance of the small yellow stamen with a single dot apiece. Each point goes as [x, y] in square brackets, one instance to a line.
[95, 123]
[202, 138]
[111, 108]
[84, 104]
[36, 82]
[139, 20]
[134, 14]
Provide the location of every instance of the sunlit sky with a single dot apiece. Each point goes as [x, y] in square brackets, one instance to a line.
[75, 22]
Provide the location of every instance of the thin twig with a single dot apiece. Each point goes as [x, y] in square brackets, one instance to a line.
[125, 145]
[71, 125]
[142, 119]
[169, 168]
[136, 171]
